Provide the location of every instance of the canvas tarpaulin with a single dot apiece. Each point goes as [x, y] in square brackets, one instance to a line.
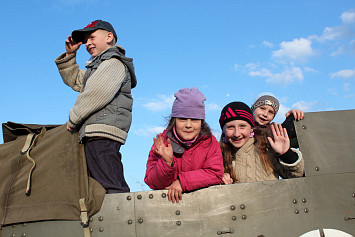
[47, 179]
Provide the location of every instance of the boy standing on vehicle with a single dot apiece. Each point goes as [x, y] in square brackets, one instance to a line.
[102, 113]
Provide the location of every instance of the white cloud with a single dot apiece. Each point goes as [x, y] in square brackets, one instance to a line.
[309, 69]
[227, 94]
[251, 66]
[263, 72]
[305, 106]
[283, 79]
[296, 50]
[331, 33]
[340, 50]
[343, 31]
[148, 132]
[213, 106]
[348, 16]
[236, 67]
[164, 102]
[347, 73]
[268, 44]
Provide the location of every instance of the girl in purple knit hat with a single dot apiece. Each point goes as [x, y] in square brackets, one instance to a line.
[186, 156]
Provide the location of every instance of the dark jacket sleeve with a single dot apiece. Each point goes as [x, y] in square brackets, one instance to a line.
[291, 131]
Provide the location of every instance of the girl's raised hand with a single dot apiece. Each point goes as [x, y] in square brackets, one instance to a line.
[281, 142]
[165, 151]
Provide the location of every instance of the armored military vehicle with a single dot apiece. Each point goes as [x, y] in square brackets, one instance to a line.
[322, 203]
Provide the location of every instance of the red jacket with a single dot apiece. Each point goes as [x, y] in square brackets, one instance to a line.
[199, 166]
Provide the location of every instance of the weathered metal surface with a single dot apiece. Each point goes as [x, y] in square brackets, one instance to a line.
[116, 217]
[322, 202]
[327, 141]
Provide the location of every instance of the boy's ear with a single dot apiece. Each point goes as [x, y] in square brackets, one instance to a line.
[110, 37]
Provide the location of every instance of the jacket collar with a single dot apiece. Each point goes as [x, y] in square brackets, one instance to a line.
[177, 146]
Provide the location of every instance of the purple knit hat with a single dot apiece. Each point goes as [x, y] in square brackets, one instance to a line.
[189, 104]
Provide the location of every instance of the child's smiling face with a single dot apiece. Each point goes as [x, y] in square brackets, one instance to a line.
[188, 128]
[264, 114]
[237, 132]
[98, 41]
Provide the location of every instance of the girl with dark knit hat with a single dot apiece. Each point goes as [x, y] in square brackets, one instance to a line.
[186, 156]
[252, 154]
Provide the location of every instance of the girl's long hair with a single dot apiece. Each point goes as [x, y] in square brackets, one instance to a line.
[262, 146]
[205, 128]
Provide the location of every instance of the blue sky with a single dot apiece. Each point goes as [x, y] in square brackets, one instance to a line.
[301, 51]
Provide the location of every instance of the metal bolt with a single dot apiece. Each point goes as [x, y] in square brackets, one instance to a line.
[294, 201]
[242, 206]
[91, 230]
[232, 207]
[91, 219]
[101, 218]
[151, 196]
[234, 218]
[163, 195]
[13, 226]
[24, 224]
[219, 232]
[353, 195]
[13, 235]
[130, 222]
[101, 229]
[346, 218]
[306, 210]
[139, 197]
[178, 223]
[177, 212]
[296, 211]
[304, 126]
[317, 168]
[304, 200]
[244, 217]
[129, 198]
[322, 235]
[140, 220]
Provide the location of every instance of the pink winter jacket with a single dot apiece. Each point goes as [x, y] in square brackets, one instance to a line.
[199, 166]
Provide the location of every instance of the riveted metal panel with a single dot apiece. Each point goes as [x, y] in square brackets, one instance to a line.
[116, 217]
[274, 208]
[327, 141]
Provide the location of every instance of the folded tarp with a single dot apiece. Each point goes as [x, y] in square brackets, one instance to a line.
[43, 175]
